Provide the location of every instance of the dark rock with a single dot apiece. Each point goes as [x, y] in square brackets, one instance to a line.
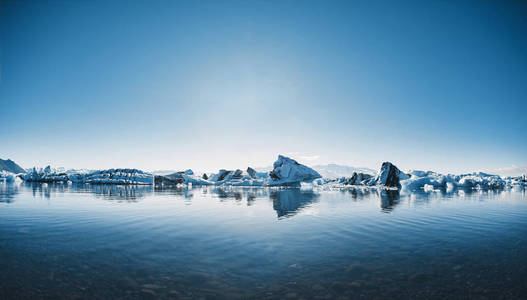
[205, 176]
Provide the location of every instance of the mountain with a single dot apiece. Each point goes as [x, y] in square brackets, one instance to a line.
[336, 171]
[509, 171]
[332, 170]
[10, 166]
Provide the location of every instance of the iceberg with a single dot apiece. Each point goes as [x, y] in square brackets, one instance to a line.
[185, 177]
[356, 179]
[46, 175]
[479, 180]
[114, 176]
[7, 176]
[237, 178]
[389, 176]
[288, 172]
[110, 176]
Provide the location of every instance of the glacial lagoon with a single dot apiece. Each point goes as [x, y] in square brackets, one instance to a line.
[141, 242]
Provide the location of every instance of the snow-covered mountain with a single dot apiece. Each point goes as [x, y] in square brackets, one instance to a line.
[337, 171]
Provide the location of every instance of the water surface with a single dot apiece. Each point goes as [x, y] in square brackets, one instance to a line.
[126, 242]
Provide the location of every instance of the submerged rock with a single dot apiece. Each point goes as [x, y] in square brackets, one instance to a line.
[287, 171]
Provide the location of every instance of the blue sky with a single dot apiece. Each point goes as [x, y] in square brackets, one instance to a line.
[438, 85]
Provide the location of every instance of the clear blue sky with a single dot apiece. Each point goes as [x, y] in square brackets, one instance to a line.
[438, 85]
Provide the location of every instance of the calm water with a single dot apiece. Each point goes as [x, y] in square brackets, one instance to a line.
[66, 241]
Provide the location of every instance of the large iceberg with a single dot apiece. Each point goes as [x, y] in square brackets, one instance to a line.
[288, 172]
[110, 176]
[429, 179]
[114, 176]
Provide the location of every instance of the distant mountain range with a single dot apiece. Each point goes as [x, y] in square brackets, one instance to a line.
[336, 171]
[332, 170]
[10, 166]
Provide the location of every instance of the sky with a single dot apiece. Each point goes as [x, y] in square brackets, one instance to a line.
[434, 85]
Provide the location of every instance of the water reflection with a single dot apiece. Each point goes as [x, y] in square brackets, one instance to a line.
[124, 193]
[288, 203]
[389, 199]
[174, 191]
[8, 190]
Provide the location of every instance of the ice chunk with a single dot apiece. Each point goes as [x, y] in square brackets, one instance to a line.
[46, 175]
[287, 171]
[7, 176]
[389, 176]
[356, 179]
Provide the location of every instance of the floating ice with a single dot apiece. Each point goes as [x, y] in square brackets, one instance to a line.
[389, 176]
[287, 171]
[110, 176]
[7, 176]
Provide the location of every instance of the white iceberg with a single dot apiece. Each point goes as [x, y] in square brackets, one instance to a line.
[46, 175]
[422, 179]
[113, 176]
[289, 172]
[110, 176]
[7, 176]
